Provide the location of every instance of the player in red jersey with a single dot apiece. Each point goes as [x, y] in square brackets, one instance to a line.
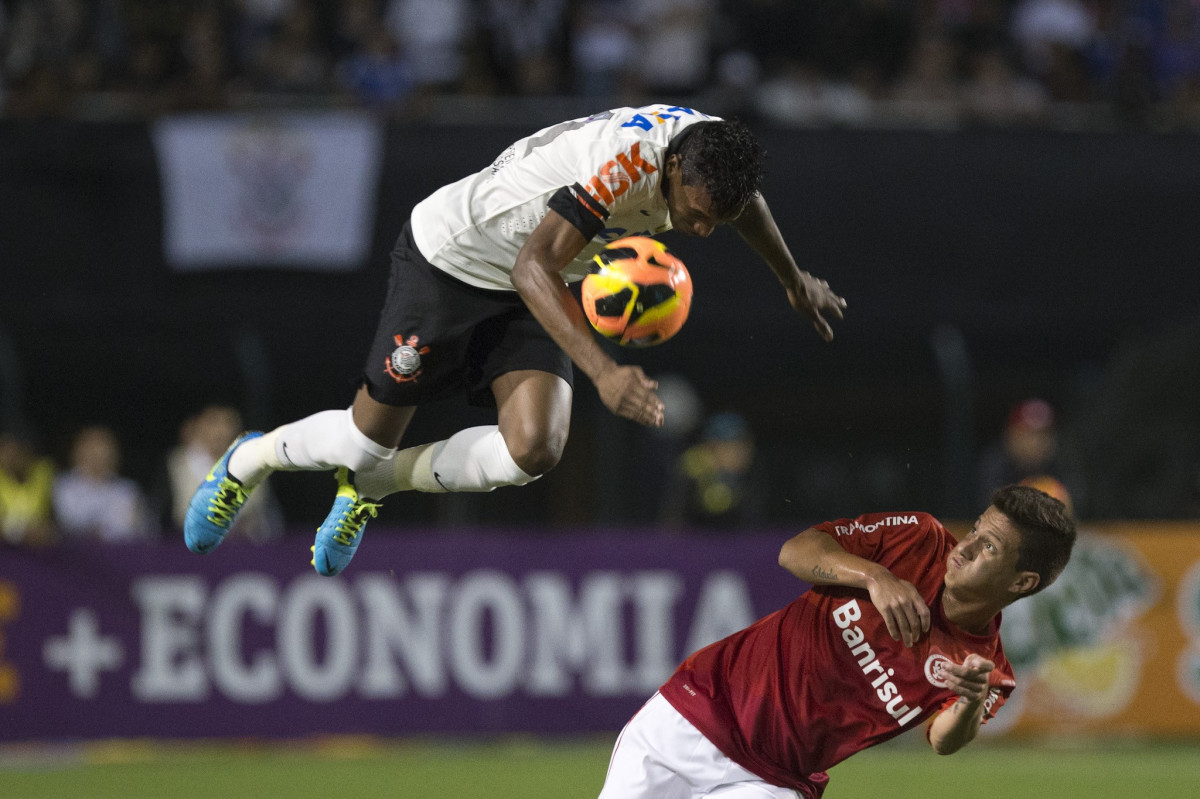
[902, 624]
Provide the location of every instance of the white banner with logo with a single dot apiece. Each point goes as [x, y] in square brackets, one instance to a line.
[273, 190]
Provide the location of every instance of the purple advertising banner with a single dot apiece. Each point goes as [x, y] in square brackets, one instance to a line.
[424, 633]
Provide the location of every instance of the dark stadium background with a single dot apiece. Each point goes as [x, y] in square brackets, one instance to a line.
[980, 267]
[990, 251]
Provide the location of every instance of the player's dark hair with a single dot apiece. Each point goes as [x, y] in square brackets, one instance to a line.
[1046, 528]
[725, 158]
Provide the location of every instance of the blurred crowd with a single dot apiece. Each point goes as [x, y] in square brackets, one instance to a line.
[850, 62]
[702, 474]
[88, 499]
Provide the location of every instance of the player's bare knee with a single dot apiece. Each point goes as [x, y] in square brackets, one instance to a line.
[537, 457]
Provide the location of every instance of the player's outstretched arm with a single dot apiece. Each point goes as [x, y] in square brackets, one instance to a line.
[816, 558]
[624, 390]
[807, 294]
[957, 725]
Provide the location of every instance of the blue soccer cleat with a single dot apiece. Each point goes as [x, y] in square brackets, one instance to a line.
[339, 535]
[215, 504]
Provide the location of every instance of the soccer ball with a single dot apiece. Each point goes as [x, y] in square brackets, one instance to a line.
[638, 294]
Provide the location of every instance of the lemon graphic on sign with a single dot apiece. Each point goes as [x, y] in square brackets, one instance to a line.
[1093, 681]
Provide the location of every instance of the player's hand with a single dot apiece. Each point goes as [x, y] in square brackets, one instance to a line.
[969, 680]
[904, 611]
[627, 392]
[813, 297]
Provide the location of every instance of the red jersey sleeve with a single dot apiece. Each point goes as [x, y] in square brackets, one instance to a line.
[890, 539]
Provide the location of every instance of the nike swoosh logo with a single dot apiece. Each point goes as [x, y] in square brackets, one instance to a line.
[283, 448]
[438, 478]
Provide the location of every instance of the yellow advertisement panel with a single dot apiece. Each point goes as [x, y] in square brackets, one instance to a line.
[1113, 646]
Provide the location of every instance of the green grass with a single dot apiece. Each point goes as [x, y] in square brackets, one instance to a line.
[1008, 772]
[527, 769]
[338, 769]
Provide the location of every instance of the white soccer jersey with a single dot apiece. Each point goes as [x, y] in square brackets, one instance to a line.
[603, 173]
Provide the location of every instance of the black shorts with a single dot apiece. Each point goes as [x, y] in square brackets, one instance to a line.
[438, 336]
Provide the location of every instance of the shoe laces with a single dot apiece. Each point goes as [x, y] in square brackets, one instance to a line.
[226, 502]
[353, 520]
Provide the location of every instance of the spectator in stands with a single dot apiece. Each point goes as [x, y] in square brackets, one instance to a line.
[527, 43]
[770, 32]
[1027, 448]
[1053, 487]
[26, 490]
[602, 47]
[56, 51]
[294, 60]
[435, 34]
[1053, 37]
[718, 482]
[378, 75]
[253, 23]
[995, 93]
[354, 24]
[799, 94]
[675, 49]
[820, 61]
[202, 439]
[929, 91]
[656, 451]
[207, 60]
[1177, 59]
[1039, 26]
[92, 501]
[976, 25]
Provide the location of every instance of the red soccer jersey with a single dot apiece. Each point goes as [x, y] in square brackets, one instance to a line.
[811, 684]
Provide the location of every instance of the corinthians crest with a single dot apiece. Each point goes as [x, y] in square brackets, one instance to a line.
[404, 364]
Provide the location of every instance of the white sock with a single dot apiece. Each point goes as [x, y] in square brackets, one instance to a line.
[254, 460]
[475, 459]
[320, 442]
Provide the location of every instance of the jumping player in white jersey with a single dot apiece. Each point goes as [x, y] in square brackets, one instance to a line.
[478, 302]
